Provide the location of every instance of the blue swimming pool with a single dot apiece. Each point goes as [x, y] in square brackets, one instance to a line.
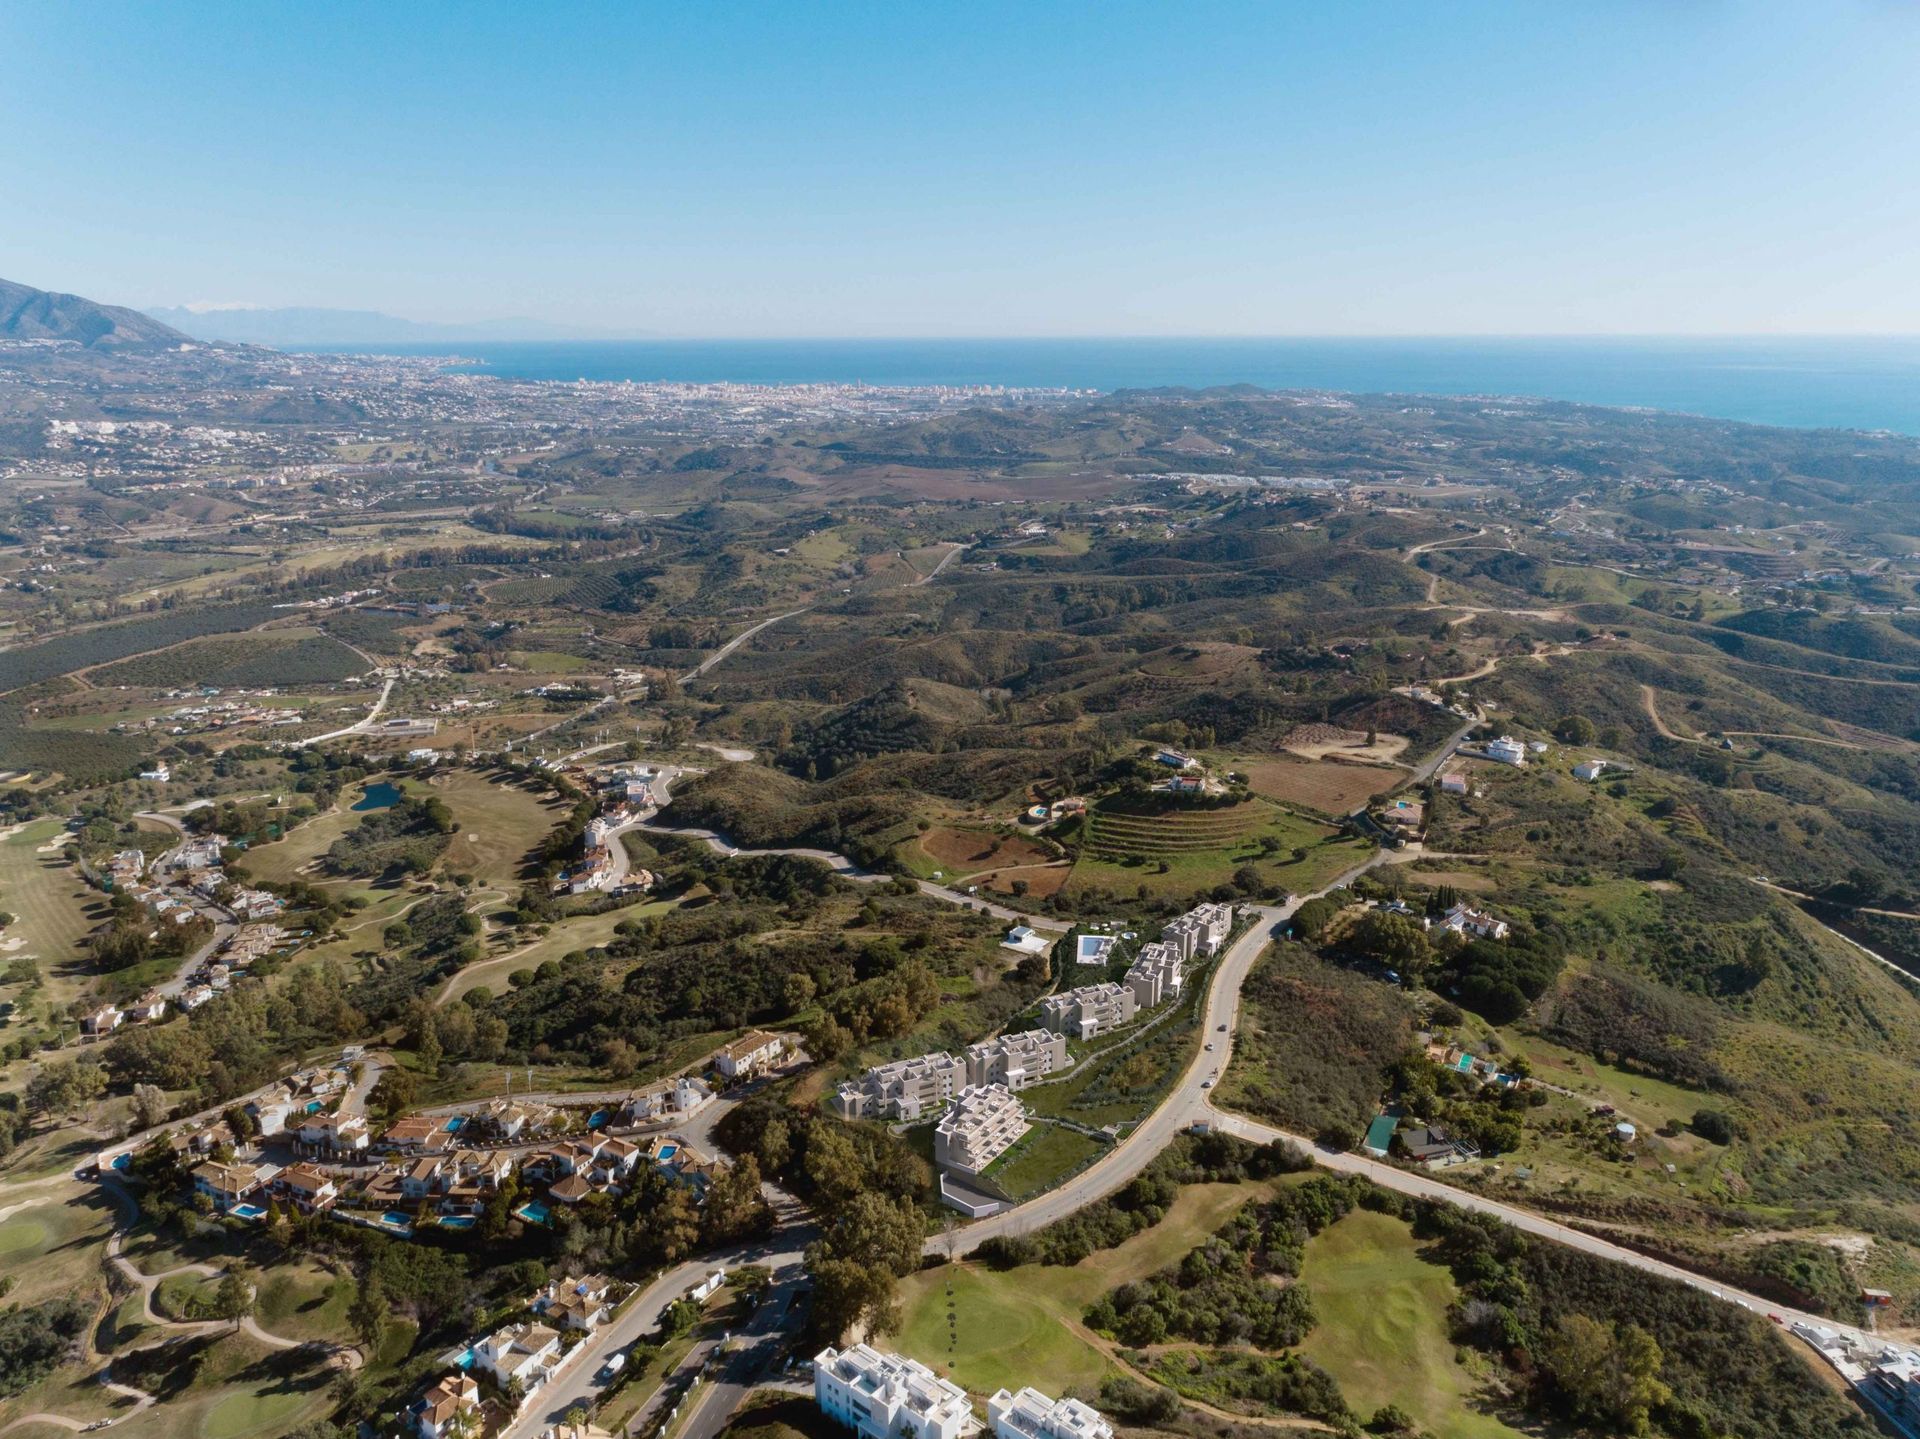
[247, 1211]
[121, 1161]
[465, 1361]
[453, 1124]
[533, 1211]
[667, 1151]
[315, 1106]
[596, 1119]
[393, 1219]
[457, 1221]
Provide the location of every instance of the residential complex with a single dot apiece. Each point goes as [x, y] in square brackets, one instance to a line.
[1089, 1010]
[983, 1123]
[1201, 932]
[886, 1396]
[907, 1089]
[750, 1054]
[1032, 1415]
[1156, 975]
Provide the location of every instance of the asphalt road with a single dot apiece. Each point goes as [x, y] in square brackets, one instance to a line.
[581, 1382]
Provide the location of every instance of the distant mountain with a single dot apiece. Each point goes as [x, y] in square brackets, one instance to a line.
[302, 326]
[30, 314]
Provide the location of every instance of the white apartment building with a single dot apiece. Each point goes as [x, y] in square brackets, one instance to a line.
[887, 1396]
[1089, 1010]
[1032, 1415]
[983, 1122]
[1156, 975]
[750, 1054]
[905, 1089]
[1017, 1060]
[1506, 750]
[1200, 932]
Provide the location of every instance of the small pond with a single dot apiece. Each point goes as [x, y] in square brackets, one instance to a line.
[379, 795]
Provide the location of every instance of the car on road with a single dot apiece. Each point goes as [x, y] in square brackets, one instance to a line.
[1209, 1044]
[1223, 1029]
[1206, 1084]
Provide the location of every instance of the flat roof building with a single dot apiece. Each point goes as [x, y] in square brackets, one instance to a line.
[983, 1122]
[1032, 1415]
[888, 1396]
[1089, 1010]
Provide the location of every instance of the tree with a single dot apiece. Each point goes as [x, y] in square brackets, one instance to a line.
[393, 1092]
[368, 1314]
[1605, 1375]
[1574, 729]
[735, 1206]
[871, 1242]
[233, 1300]
[149, 1105]
[64, 1085]
[1392, 940]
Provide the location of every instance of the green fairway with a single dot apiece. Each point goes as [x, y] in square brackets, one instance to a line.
[1382, 1331]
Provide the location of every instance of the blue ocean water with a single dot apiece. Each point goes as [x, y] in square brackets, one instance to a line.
[1851, 383]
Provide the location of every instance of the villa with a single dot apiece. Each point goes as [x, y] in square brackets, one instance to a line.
[888, 1396]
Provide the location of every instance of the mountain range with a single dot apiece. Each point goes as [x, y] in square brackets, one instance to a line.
[311, 326]
[30, 314]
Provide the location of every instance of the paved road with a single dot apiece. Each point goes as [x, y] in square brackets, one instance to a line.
[360, 726]
[173, 988]
[581, 1383]
[1403, 1181]
[751, 1360]
[733, 644]
[948, 558]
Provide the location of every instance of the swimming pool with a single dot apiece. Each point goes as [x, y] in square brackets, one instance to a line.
[397, 1221]
[533, 1211]
[457, 1221]
[667, 1151]
[596, 1119]
[247, 1211]
[121, 1161]
[453, 1124]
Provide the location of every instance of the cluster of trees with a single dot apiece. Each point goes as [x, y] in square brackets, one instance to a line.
[1144, 1200]
[1612, 1346]
[1231, 1290]
[131, 936]
[404, 838]
[241, 1038]
[36, 1338]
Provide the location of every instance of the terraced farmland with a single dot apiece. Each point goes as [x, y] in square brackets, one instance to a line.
[1134, 850]
[1115, 834]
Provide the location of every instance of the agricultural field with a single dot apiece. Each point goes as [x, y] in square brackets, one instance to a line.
[1176, 853]
[1326, 786]
[273, 659]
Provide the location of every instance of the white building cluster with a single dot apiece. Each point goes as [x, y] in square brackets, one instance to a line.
[907, 1089]
[983, 1122]
[888, 1396]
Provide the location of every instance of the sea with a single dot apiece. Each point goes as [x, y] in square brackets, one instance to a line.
[1844, 383]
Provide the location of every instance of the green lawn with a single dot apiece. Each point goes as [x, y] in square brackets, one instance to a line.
[1382, 1330]
[53, 1248]
[1043, 1157]
[499, 824]
[1021, 1326]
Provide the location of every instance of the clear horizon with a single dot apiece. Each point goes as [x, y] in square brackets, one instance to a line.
[1230, 171]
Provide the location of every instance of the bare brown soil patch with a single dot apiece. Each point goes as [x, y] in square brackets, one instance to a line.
[1042, 881]
[1324, 785]
[1323, 741]
[968, 851]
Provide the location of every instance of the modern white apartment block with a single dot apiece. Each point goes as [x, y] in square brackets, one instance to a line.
[1156, 975]
[1200, 932]
[1017, 1060]
[1089, 1010]
[1032, 1415]
[905, 1089]
[887, 1396]
[983, 1122]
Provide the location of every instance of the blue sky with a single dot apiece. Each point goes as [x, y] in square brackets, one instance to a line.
[980, 169]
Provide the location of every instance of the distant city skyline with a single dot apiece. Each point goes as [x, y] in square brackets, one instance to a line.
[1000, 170]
